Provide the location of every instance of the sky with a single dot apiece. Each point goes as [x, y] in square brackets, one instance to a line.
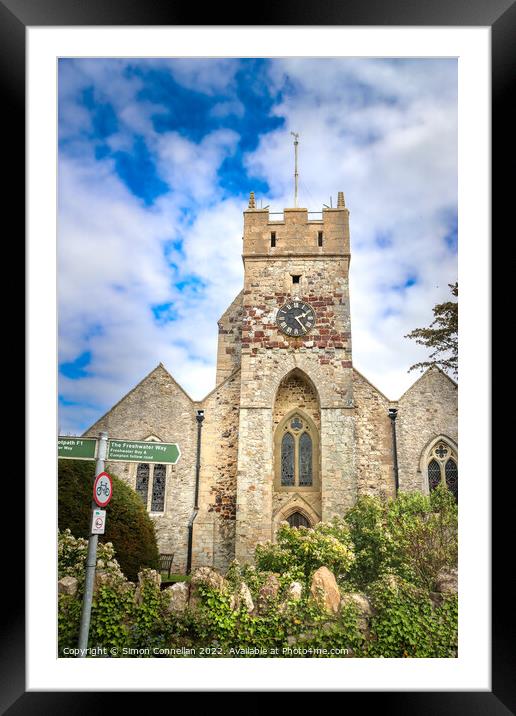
[156, 161]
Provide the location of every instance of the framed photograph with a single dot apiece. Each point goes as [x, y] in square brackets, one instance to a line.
[203, 189]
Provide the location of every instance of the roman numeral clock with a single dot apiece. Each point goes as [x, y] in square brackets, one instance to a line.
[295, 318]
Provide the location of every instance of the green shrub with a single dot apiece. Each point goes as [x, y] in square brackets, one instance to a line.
[128, 526]
[423, 532]
[302, 550]
[414, 536]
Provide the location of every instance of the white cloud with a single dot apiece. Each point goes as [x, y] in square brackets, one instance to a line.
[384, 134]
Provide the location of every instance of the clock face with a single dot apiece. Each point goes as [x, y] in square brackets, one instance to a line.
[295, 318]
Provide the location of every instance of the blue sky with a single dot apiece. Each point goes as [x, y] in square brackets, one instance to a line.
[156, 161]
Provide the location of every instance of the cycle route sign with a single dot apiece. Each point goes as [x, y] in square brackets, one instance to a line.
[102, 489]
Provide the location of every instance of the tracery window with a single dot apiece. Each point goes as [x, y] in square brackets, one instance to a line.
[296, 519]
[442, 468]
[297, 445]
[154, 475]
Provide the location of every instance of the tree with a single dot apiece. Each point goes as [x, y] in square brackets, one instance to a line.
[441, 336]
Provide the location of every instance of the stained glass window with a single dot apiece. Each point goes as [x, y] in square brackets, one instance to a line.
[452, 478]
[296, 519]
[287, 460]
[434, 474]
[142, 481]
[305, 459]
[441, 450]
[296, 423]
[158, 488]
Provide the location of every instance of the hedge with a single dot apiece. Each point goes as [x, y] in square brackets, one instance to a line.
[128, 526]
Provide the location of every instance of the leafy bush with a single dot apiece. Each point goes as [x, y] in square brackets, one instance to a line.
[391, 552]
[128, 525]
[122, 616]
[414, 536]
[305, 550]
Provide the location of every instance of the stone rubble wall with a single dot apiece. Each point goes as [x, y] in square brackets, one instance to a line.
[373, 440]
[158, 406]
[428, 409]
[217, 484]
[229, 340]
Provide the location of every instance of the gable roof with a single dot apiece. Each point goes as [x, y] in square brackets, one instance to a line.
[372, 385]
[431, 369]
[161, 367]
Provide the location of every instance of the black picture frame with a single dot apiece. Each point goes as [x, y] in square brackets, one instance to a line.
[500, 16]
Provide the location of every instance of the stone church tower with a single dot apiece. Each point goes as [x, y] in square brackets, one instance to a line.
[288, 377]
[291, 431]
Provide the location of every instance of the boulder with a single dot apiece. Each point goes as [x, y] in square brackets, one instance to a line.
[68, 585]
[360, 601]
[324, 590]
[268, 591]
[363, 605]
[447, 581]
[177, 595]
[294, 591]
[149, 575]
[242, 598]
[102, 579]
[146, 576]
[208, 576]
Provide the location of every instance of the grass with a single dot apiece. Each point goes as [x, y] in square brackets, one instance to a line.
[165, 579]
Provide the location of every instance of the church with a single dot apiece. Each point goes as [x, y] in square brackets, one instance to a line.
[291, 431]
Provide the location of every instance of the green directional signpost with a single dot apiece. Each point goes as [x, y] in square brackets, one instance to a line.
[143, 451]
[74, 448]
[102, 450]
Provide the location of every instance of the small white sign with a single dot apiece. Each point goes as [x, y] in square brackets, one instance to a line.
[98, 523]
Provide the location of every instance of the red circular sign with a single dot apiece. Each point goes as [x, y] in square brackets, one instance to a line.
[102, 489]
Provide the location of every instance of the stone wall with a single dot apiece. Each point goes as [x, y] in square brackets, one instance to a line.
[428, 409]
[158, 406]
[229, 340]
[373, 439]
[217, 485]
[296, 392]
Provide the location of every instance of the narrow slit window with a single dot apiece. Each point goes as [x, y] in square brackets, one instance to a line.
[142, 481]
[434, 474]
[273, 239]
[287, 460]
[158, 488]
[319, 238]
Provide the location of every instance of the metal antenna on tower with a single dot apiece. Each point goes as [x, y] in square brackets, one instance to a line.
[296, 137]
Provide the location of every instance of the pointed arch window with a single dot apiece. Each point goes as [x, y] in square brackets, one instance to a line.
[442, 468]
[287, 460]
[297, 519]
[296, 446]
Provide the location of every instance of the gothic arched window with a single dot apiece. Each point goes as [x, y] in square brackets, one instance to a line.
[287, 460]
[155, 475]
[296, 447]
[442, 468]
[296, 519]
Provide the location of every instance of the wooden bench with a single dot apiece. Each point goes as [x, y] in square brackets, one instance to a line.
[165, 562]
